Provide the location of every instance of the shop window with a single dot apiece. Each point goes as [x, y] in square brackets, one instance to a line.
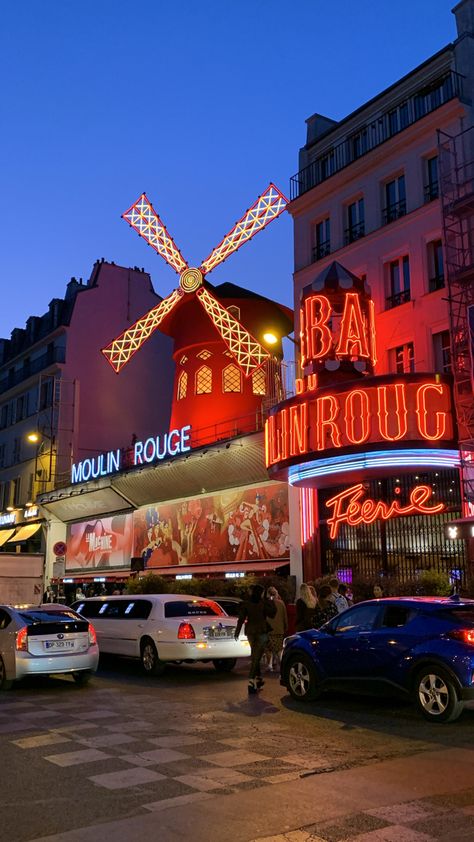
[442, 352]
[182, 385]
[204, 354]
[259, 386]
[203, 380]
[234, 311]
[231, 379]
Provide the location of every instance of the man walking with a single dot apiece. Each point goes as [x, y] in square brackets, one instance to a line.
[254, 612]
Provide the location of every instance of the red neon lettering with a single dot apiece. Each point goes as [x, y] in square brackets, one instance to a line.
[373, 343]
[312, 382]
[284, 433]
[422, 412]
[353, 340]
[272, 444]
[369, 510]
[318, 334]
[326, 419]
[299, 385]
[304, 359]
[400, 411]
[360, 413]
[298, 429]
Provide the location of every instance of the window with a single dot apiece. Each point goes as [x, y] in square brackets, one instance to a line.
[182, 385]
[398, 282]
[259, 386]
[355, 222]
[16, 483]
[4, 417]
[395, 616]
[30, 488]
[16, 451]
[358, 619]
[431, 190]
[322, 239]
[403, 361]
[442, 352]
[231, 379]
[234, 311]
[3, 495]
[435, 265]
[138, 610]
[193, 608]
[89, 609]
[2, 455]
[204, 354]
[203, 381]
[20, 408]
[395, 200]
[5, 619]
[46, 393]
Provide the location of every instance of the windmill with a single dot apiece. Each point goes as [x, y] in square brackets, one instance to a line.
[244, 348]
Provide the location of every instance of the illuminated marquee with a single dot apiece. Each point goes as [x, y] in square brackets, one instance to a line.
[376, 411]
[151, 450]
[355, 338]
[350, 507]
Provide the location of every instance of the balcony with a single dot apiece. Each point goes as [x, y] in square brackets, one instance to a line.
[13, 378]
[354, 232]
[397, 299]
[431, 192]
[394, 211]
[437, 282]
[321, 250]
[388, 124]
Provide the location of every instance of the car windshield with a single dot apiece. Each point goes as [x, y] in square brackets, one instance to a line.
[193, 608]
[42, 615]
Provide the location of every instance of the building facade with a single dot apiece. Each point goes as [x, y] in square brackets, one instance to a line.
[368, 194]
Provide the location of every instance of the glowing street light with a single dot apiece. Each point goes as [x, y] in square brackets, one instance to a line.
[33, 438]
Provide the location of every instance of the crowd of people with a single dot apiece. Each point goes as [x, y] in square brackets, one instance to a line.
[316, 607]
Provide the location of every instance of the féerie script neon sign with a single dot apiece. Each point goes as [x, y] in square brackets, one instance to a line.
[350, 507]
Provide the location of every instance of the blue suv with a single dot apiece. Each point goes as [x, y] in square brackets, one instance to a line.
[421, 647]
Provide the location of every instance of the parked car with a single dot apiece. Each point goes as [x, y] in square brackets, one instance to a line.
[162, 628]
[420, 647]
[230, 604]
[45, 640]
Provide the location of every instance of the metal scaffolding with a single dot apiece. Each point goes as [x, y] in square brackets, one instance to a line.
[456, 175]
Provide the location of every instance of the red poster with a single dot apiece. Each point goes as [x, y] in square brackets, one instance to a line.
[100, 542]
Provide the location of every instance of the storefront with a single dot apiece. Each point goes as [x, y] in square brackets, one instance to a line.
[375, 458]
[22, 555]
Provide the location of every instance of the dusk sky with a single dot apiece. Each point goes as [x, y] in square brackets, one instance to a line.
[200, 104]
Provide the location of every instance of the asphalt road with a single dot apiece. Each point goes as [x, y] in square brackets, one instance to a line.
[126, 746]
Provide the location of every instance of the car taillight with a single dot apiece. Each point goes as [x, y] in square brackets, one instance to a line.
[22, 639]
[465, 635]
[92, 635]
[186, 632]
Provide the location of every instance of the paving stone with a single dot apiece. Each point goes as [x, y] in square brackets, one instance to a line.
[126, 779]
[178, 800]
[403, 813]
[13, 725]
[74, 758]
[41, 740]
[105, 740]
[163, 755]
[234, 758]
[176, 740]
[392, 833]
[200, 782]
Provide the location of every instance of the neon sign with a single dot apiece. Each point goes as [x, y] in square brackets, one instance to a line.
[151, 450]
[356, 335]
[350, 507]
[412, 410]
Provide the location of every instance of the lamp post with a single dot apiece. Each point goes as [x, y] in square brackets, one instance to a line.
[42, 475]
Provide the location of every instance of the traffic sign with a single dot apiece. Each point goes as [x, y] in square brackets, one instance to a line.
[59, 548]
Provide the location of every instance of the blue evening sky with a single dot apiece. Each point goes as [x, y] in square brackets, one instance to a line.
[200, 104]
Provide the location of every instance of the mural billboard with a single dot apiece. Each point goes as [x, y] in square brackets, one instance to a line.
[101, 542]
[242, 524]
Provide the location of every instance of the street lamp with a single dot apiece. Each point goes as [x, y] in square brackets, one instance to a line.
[39, 437]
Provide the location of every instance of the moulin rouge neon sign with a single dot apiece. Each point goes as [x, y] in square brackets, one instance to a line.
[351, 508]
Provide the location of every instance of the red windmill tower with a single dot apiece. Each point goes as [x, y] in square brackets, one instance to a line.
[222, 372]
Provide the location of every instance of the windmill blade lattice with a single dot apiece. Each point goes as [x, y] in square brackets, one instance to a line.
[130, 341]
[142, 217]
[267, 208]
[247, 352]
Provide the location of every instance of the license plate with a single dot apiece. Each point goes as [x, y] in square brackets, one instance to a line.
[220, 633]
[59, 644]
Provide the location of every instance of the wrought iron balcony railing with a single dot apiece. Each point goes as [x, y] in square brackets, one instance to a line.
[397, 299]
[394, 211]
[354, 232]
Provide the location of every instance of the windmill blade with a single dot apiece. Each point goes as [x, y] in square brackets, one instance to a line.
[247, 352]
[119, 352]
[142, 217]
[267, 208]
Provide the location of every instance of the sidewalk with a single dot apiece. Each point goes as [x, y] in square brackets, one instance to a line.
[425, 797]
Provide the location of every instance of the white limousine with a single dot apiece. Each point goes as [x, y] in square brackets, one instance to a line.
[164, 628]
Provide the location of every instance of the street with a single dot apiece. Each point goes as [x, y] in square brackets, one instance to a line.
[184, 755]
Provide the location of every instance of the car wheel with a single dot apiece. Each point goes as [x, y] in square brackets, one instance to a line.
[224, 664]
[301, 678]
[82, 678]
[5, 683]
[436, 695]
[149, 657]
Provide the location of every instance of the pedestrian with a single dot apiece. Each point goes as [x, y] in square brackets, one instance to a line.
[345, 592]
[278, 630]
[377, 591]
[254, 612]
[339, 601]
[325, 609]
[305, 605]
[80, 593]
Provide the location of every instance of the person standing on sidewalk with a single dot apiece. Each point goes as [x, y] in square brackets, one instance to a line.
[278, 630]
[254, 612]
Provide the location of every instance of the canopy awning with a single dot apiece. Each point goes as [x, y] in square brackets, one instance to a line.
[5, 536]
[243, 567]
[24, 532]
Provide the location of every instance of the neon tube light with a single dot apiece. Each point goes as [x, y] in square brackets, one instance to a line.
[377, 459]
